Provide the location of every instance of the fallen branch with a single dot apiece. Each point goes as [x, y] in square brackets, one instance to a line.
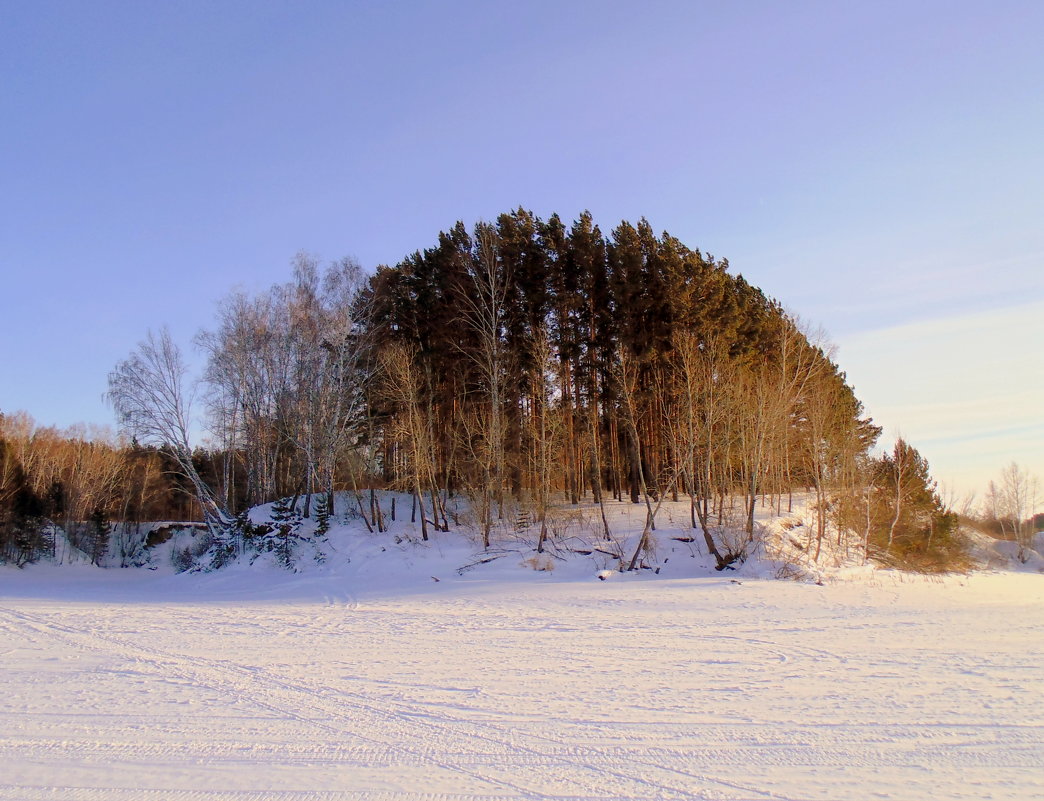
[492, 558]
[609, 553]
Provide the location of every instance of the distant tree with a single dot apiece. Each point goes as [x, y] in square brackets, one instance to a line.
[1012, 504]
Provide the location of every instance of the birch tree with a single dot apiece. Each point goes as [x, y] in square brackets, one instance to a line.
[402, 385]
[147, 391]
[1014, 503]
[483, 307]
[695, 426]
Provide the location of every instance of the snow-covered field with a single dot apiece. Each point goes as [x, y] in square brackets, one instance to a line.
[353, 682]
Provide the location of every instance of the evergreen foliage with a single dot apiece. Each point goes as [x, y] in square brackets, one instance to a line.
[912, 526]
[322, 516]
[285, 531]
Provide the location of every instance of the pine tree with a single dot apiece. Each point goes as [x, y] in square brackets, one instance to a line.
[917, 529]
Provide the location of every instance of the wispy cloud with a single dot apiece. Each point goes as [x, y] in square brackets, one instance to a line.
[967, 390]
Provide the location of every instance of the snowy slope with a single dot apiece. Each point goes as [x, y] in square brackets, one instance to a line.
[576, 547]
[784, 546]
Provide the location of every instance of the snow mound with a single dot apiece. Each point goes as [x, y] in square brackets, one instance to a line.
[793, 546]
[995, 554]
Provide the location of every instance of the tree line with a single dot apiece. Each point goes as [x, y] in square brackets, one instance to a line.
[524, 364]
[79, 480]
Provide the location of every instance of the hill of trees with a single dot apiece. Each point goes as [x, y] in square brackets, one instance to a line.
[523, 363]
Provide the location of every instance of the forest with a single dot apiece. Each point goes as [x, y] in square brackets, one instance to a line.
[523, 364]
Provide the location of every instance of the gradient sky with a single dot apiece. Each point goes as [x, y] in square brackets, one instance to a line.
[877, 167]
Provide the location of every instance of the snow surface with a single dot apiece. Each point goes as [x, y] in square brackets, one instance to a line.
[388, 672]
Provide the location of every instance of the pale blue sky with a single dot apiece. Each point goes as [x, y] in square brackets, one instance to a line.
[874, 166]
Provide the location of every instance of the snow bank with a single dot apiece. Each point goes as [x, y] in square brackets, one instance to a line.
[994, 554]
[785, 546]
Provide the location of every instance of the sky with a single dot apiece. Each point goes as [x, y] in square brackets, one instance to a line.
[876, 167]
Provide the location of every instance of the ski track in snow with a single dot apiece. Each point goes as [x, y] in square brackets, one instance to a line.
[696, 689]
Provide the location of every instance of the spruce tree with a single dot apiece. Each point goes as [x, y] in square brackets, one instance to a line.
[322, 516]
[285, 534]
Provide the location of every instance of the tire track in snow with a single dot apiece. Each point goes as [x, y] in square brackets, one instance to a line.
[601, 758]
[122, 794]
[168, 665]
[529, 749]
[590, 778]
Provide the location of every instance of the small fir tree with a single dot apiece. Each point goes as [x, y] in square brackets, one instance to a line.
[322, 516]
[287, 520]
